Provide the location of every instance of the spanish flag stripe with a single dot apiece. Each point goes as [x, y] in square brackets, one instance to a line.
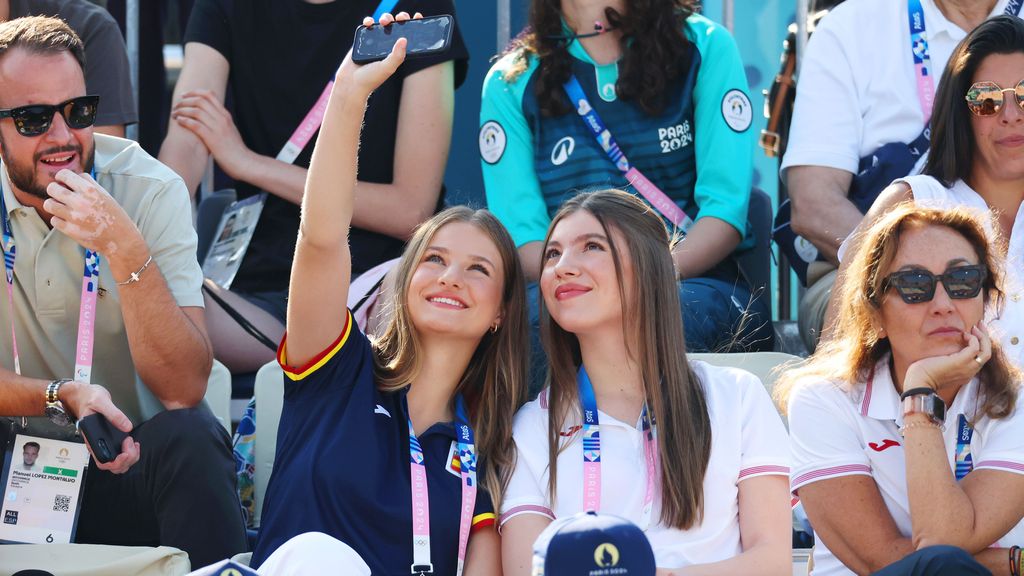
[483, 520]
[319, 360]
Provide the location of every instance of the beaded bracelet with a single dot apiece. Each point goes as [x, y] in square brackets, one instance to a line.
[929, 424]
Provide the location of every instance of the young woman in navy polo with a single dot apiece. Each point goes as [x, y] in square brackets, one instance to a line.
[367, 452]
[695, 455]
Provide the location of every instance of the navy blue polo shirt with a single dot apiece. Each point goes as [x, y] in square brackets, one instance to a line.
[342, 465]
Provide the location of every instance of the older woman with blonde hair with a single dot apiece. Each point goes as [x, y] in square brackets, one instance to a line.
[903, 426]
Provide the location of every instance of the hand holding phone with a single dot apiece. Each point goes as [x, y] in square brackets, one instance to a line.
[425, 36]
[104, 439]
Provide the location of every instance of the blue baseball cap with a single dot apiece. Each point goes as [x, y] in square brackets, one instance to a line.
[591, 544]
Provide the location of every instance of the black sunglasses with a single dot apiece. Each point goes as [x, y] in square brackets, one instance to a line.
[916, 286]
[35, 119]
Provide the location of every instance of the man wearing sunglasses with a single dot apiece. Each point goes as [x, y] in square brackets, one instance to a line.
[865, 95]
[76, 201]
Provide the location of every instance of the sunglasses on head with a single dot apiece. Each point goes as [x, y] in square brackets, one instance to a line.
[986, 98]
[35, 119]
[917, 286]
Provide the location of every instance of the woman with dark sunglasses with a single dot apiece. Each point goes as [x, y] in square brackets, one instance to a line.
[977, 156]
[907, 451]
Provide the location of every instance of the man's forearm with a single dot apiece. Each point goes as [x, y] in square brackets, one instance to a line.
[21, 396]
[821, 211]
[171, 353]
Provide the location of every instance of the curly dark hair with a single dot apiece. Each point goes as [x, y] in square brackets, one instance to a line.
[656, 53]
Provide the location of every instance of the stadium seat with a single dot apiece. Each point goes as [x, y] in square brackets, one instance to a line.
[269, 402]
[211, 207]
[218, 396]
[93, 560]
[761, 364]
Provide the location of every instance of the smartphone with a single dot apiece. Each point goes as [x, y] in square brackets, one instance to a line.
[104, 439]
[425, 36]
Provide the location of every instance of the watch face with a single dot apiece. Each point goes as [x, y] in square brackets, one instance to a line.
[58, 416]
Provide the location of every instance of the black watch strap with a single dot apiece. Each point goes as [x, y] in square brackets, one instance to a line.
[916, 392]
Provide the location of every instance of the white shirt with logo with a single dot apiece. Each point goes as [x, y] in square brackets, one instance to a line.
[835, 432]
[748, 440]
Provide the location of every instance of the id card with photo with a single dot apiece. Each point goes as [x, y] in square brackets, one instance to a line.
[43, 482]
[234, 232]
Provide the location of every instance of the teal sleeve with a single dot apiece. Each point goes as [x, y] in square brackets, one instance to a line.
[723, 115]
[506, 157]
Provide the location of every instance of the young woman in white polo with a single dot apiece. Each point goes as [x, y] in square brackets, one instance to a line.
[903, 425]
[694, 454]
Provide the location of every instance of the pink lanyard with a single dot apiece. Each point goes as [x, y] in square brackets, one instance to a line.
[592, 451]
[421, 563]
[87, 310]
[315, 117]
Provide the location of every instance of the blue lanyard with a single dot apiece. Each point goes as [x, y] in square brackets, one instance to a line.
[643, 185]
[420, 497]
[592, 450]
[922, 55]
[384, 6]
[964, 462]
[596, 125]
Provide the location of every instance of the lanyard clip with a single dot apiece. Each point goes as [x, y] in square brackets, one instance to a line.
[421, 569]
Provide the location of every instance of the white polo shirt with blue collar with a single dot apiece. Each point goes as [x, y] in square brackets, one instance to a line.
[748, 439]
[836, 431]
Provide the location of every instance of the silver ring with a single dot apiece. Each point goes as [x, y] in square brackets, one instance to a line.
[978, 360]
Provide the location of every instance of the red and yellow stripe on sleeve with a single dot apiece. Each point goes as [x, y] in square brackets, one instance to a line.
[481, 521]
[298, 373]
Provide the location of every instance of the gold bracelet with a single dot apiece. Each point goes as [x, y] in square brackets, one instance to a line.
[135, 275]
[929, 424]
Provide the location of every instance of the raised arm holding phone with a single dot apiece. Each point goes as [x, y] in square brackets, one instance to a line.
[426, 408]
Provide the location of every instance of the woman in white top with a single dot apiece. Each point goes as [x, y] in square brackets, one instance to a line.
[694, 454]
[883, 472]
[977, 157]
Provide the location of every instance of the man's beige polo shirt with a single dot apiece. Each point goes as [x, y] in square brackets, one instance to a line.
[49, 267]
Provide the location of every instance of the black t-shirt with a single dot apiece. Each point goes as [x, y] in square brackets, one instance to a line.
[282, 53]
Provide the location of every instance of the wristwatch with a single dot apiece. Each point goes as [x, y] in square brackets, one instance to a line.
[55, 410]
[924, 401]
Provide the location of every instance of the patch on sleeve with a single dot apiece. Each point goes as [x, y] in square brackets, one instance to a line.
[492, 142]
[737, 110]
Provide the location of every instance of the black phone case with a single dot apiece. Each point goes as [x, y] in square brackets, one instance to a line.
[366, 59]
[104, 439]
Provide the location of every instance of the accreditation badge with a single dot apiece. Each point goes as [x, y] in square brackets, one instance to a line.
[43, 482]
[234, 233]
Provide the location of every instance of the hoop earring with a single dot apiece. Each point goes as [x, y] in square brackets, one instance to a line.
[494, 328]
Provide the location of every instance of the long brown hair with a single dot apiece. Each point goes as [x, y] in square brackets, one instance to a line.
[657, 51]
[494, 383]
[952, 139]
[857, 347]
[654, 337]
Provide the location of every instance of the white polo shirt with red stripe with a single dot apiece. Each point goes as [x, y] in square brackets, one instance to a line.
[748, 440]
[836, 431]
